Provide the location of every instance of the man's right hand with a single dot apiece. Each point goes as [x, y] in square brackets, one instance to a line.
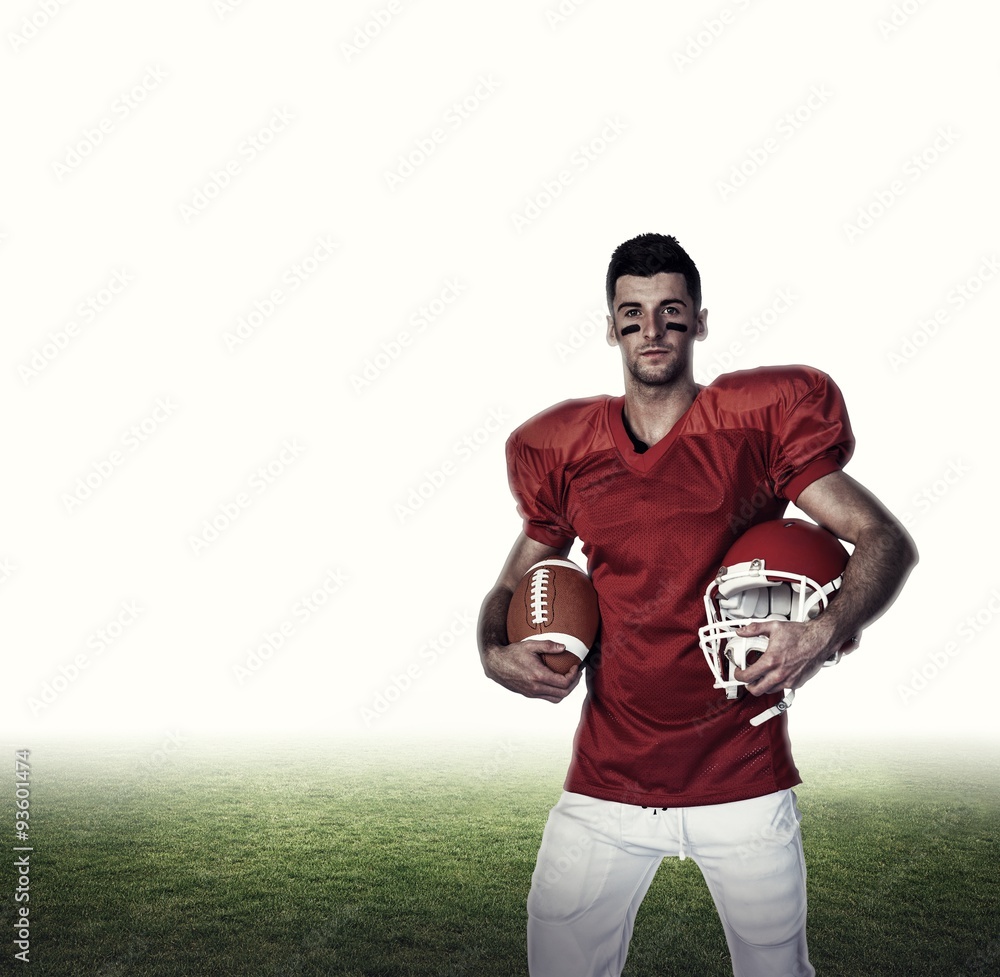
[520, 668]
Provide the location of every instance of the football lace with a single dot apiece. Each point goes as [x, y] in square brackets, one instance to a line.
[539, 596]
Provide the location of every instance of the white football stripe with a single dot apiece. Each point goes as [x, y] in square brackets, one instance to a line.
[571, 642]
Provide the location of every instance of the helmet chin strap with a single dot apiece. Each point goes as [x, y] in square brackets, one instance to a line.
[777, 710]
[737, 650]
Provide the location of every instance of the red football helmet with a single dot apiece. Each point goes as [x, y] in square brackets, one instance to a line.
[783, 570]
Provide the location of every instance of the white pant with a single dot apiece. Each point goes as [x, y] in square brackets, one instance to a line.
[598, 858]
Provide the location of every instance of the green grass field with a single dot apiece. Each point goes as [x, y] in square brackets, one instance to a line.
[307, 859]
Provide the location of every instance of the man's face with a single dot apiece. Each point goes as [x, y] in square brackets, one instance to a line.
[655, 324]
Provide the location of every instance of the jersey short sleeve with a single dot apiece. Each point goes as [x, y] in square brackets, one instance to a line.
[535, 493]
[814, 436]
[538, 455]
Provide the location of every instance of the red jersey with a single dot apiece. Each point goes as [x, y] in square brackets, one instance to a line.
[655, 527]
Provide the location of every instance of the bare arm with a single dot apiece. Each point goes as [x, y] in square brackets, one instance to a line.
[884, 554]
[519, 667]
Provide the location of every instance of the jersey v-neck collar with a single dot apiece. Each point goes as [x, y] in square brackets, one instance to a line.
[643, 461]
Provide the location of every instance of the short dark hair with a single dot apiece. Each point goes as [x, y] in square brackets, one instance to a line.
[648, 255]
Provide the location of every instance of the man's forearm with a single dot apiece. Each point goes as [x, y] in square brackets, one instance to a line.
[492, 628]
[882, 559]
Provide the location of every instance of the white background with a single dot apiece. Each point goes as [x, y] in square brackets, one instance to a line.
[843, 155]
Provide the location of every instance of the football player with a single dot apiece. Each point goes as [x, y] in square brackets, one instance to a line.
[658, 484]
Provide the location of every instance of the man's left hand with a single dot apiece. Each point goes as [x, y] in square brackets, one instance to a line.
[795, 653]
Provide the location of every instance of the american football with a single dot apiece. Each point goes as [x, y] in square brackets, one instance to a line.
[555, 600]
